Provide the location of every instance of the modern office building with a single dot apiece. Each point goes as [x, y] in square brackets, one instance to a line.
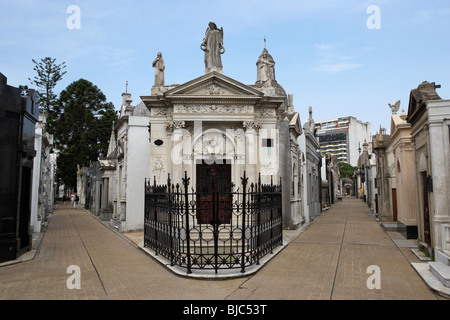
[343, 137]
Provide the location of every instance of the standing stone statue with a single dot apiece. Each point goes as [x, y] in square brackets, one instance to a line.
[267, 67]
[212, 45]
[159, 66]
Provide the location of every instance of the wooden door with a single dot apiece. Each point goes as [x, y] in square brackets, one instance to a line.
[213, 193]
[394, 205]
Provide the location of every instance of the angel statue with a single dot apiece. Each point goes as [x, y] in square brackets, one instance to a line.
[395, 107]
[212, 45]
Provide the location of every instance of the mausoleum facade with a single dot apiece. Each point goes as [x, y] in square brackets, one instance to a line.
[225, 165]
[214, 119]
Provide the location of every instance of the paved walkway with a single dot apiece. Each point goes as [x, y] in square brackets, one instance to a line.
[327, 259]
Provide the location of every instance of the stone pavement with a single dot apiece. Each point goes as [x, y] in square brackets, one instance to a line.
[327, 259]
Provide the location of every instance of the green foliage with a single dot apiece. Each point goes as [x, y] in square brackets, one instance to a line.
[48, 75]
[81, 123]
[346, 170]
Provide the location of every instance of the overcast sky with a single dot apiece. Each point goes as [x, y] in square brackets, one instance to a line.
[342, 58]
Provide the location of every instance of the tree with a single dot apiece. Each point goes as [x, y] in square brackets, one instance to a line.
[81, 124]
[48, 75]
[346, 170]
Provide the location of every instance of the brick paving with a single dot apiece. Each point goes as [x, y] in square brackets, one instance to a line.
[327, 259]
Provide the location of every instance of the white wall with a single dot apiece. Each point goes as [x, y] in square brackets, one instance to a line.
[35, 224]
[358, 131]
[137, 170]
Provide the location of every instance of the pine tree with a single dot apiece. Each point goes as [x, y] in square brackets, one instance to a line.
[48, 75]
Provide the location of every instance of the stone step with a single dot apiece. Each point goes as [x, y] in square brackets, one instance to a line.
[390, 226]
[441, 271]
[424, 270]
[419, 254]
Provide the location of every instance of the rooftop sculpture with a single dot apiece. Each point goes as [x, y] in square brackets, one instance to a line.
[213, 47]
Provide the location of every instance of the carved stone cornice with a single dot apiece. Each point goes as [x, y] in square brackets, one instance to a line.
[159, 111]
[267, 112]
[212, 108]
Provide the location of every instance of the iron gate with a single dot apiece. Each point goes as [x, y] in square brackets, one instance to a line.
[245, 223]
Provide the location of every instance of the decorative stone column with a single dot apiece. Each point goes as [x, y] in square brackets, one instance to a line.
[105, 211]
[104, 204]
[439, 163]
[384, 212]
[176, 130]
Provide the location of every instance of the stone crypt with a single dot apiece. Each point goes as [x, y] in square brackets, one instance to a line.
[216, 132]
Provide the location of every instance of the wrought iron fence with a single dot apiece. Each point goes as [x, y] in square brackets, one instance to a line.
[213, 228]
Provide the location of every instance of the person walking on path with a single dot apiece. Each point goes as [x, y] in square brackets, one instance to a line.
[76, 199]
[72, 198]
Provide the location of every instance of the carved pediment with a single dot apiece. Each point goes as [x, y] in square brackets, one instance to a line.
[212, 88]
[418, 99]
[294, 122]
[213, 84]
[212, 93]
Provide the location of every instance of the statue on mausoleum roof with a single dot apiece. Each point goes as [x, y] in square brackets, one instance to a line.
[159, 66]
[394, 107]
[266, 66]
[213, 47]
